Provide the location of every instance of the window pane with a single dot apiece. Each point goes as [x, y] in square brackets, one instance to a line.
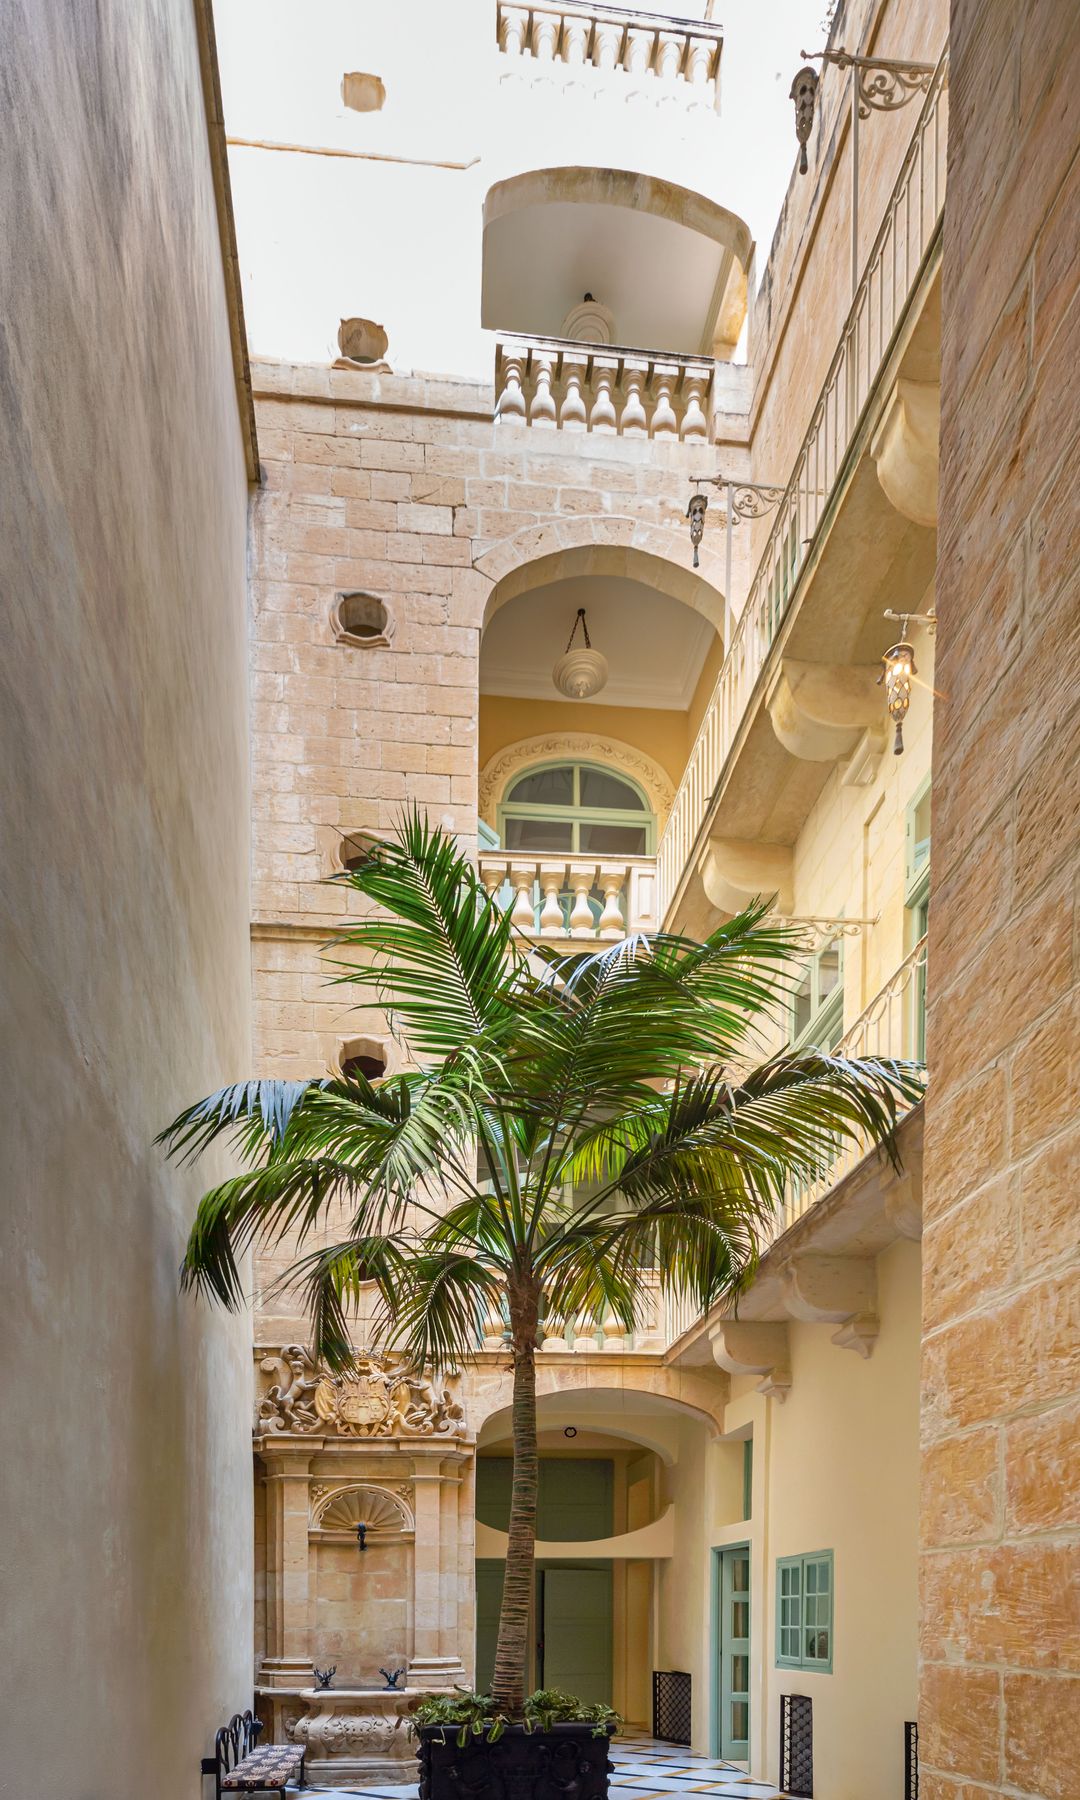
[740, 1721]
[613, 840]
[828, 970]
[802, 1007]
[920, 823]
[740, 1619]
[740, 1574]
[545, 787]
[740, 1674]
[598, 788]
[538, 834]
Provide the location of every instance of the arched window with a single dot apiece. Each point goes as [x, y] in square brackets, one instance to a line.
[580, 807]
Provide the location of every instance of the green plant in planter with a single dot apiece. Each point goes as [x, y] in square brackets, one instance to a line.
[567, 1125]
[468, 1714]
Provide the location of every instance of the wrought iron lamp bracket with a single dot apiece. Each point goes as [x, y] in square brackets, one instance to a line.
[929, 619]
[882, 84]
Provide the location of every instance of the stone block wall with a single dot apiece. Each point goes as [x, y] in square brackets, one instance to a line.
[1000, 1690]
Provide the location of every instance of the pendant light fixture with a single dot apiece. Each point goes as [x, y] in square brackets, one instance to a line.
[580, 671]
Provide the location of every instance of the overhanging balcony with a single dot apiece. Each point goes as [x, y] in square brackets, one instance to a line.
[796, 690]
[573, 901]
[672, 52]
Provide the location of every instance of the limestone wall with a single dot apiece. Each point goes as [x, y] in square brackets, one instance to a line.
[125, 1579]
[1000, 1645]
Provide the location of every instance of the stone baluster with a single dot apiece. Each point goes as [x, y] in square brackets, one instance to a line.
[698, 63]
[572, 414]
[641, 904]
[639, 53]
[552, 923]
[611, 924]
[493, 1330]
[669, 55]
[515, 24]
[542, 411]
[607, 44]
[635, 421]
[523, 912]
[545, 36]
[614, 1333]
[602, 417]
[582, 923]
[575, 41]
[665, 422]
[511, 405]
[555, 1338]
[694, 422]
[585, 1343]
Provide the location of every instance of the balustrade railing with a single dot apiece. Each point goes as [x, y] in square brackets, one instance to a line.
[670, 50]
[557, 384]
[576, 897]
[892, 1027]
[888, 282]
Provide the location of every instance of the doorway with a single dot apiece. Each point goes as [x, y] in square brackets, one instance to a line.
[731, 1637]
[574, 1629]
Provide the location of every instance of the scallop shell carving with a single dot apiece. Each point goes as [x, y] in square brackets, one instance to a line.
[384, 1513]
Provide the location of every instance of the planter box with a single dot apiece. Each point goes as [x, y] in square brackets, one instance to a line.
[566, 1763]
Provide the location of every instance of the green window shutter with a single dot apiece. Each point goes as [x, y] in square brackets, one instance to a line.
[804, 1612]
[748, 1478]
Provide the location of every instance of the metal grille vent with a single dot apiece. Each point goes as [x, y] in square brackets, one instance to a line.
[797, 1746]
[671, 1705]
[911, 1760]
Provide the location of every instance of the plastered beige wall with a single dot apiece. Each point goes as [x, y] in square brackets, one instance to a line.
[125, 1516]
[835, 1467]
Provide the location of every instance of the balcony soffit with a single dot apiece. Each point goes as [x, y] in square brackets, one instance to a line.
[669, 264]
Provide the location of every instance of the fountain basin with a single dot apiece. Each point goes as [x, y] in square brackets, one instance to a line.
[358, 1732]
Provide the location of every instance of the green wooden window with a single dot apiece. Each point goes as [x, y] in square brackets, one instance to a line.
[747, 1477]
[577, 807]
[817, 1005]
[804, 1612]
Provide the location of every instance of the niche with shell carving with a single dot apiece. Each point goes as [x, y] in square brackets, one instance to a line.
[362, 1597]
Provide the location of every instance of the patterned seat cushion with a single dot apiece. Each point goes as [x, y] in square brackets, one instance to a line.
[270, 1767]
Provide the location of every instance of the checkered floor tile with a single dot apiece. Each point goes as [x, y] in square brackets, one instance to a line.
[645, 1769]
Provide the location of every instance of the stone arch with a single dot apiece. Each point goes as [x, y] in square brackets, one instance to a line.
[500, 769]
[384, 1512]
[696, 1394]
[598, 544]
[574, 184]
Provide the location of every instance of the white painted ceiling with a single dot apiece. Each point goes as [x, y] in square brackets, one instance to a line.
[658, 277]
[654, 645]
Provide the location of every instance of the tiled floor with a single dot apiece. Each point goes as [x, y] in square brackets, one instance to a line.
[645, 1769]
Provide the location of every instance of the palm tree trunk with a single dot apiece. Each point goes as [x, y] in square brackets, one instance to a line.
[512, 1650]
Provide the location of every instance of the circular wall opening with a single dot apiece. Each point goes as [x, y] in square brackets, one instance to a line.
[360, 618]
[362, 341]
[371, 1067]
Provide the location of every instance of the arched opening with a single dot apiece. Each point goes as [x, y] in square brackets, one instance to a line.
[662, 266]
[609, 1473]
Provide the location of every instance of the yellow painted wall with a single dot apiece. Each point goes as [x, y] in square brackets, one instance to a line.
[706, 681]
[660, 733]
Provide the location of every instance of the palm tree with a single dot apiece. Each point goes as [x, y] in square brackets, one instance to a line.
[565, 1125]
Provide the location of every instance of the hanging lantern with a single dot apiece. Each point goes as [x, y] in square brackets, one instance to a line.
[897, 669]
[695, 512]
[580, 671]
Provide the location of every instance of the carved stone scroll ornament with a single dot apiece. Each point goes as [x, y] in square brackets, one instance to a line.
[376, 1398]
[332, 1733]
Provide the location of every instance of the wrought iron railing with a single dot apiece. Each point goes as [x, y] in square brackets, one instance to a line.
[888, 283]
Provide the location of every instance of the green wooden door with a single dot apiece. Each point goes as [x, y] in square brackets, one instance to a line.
[574, 1621]
[733, 1687]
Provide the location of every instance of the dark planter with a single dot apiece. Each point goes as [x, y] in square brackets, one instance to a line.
[566, 1763]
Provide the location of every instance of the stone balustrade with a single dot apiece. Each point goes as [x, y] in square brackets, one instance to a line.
[673, 52]
[573, 897]
[556, 384]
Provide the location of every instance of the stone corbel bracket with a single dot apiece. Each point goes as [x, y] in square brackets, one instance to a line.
[753, 1347]
[735, 871]
[819, 711]
[905, 449]
[835, 1290]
